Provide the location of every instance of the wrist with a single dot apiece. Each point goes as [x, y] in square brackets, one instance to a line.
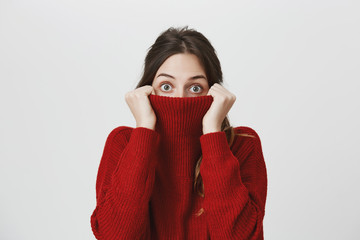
[146, 125]
[211, 129]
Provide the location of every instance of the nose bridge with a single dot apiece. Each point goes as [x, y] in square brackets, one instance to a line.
[180, 91]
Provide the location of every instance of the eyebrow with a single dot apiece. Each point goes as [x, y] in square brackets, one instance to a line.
[192, 78]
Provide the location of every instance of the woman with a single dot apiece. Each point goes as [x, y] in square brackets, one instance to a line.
[183, 172]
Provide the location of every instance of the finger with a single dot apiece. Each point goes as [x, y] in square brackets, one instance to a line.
[148, 90]
[220, 87]
[213, 92]
[223, 90]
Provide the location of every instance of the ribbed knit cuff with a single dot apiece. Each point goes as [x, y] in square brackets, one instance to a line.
[143, 141]
[214, 144]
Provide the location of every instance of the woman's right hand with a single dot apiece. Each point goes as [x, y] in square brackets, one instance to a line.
[139, 104]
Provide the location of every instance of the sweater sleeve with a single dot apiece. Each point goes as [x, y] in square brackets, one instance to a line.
[124, 185]
[235, 191]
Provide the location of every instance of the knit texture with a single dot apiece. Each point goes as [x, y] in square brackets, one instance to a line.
[144, 186]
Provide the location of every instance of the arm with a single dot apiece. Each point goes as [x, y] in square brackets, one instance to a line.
[235, 186]
[124, 185]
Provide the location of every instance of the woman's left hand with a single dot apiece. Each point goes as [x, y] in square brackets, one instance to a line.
[223, 101]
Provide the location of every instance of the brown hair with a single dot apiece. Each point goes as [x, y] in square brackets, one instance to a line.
[184, 40]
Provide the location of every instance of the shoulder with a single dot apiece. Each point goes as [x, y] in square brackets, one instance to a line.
[120, 134]
[246, 140]
[246, 133]
[120, 130]
[245, 130]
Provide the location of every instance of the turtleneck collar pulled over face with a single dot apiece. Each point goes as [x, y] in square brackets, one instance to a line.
[180, 115]
[179, 123]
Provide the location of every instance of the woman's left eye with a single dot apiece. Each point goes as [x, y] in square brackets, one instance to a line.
[196, 86]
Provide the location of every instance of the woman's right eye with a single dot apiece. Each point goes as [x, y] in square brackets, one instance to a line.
[166, 88]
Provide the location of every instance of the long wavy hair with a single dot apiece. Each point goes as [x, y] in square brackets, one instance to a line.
[185, 40]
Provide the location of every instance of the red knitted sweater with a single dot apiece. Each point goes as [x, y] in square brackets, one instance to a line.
[145, 180]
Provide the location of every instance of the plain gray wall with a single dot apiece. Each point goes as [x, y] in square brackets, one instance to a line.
[65, 66]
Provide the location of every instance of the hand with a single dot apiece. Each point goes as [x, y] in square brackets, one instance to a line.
[140, 106]
[223, 101]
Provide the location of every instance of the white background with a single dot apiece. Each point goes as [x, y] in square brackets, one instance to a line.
[65, 66]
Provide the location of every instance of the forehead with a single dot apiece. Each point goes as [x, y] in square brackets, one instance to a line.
[182, 63]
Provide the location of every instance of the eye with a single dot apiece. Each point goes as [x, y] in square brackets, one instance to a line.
[166, 88]
[197, 87]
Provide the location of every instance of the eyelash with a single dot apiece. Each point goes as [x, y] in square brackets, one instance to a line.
[191, 85]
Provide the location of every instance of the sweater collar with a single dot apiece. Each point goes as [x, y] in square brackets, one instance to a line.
[179, 123]
[180, 116]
